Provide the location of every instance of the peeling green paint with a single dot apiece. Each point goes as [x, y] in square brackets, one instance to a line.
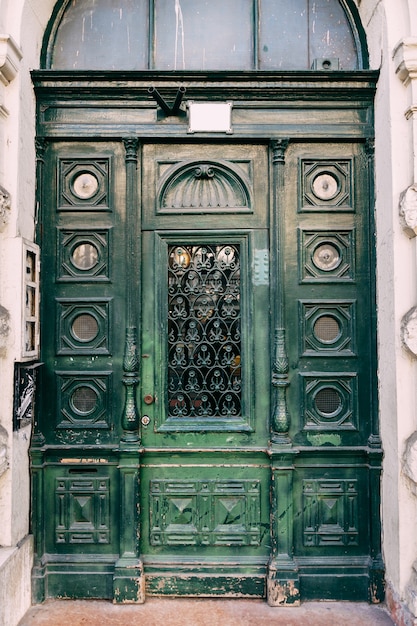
[324, 439]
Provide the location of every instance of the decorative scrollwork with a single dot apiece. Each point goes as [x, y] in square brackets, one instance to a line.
[130, 416]
[204, 338]
[204, 171]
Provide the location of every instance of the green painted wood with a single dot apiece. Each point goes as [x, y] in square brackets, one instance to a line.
[207, 503]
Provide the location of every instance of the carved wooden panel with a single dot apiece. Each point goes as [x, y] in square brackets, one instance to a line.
[327, 327]
[330, 512]
[329, 401]
[82, 510]
[83, 326]
[83, 184]
[326, 185]
[83, 255]
[84, 399]
[201, 182]
[205, 512]
[204, 186]
[327, 256]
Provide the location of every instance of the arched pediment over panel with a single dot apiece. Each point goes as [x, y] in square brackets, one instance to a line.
[198, 35]
[203, 186]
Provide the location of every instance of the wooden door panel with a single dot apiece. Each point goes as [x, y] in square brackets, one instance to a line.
[221, 186]
[205, 328]
[199, 337]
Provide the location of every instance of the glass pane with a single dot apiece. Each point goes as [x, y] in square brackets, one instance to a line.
[84, 400]
[330, 34]
[204, 340]
[85, 327]
[85, 256]
[204, 34]
[283, 36]
[102, 35]
[327, 329]
[328, 401]
[293, 34]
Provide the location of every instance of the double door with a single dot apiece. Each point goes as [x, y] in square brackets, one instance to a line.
[207, 394]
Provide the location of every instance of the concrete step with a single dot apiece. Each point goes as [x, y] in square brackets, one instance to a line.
[203, 612]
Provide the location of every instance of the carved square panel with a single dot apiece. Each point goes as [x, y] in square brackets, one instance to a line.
[326, 185]
[205, 512]
[84, 399]
[329, 401]
[83, 255]
[327, 327]
[83, 326]
[82, 510]
[326, 256]
[330, 512]
[83, 184]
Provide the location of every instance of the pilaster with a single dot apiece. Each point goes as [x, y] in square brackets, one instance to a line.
[405, 59]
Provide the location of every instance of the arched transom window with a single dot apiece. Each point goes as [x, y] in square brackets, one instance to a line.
[204, 35]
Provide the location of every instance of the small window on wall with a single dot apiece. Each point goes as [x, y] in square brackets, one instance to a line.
[205, 35]
[30, 339]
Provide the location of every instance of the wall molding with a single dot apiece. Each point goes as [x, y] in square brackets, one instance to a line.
[405, 59]
[10, 57]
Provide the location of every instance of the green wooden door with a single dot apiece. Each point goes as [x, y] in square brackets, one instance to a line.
[205, 368]
[207, 420]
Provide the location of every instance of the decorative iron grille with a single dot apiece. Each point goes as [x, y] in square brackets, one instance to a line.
[204, 336]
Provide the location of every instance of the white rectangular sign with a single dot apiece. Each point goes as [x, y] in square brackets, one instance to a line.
[209, 117]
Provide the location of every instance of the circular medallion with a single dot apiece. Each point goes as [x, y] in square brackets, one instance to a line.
[84, 400]
[84, 256]
[325, 186]
[326, 329]
[85, 327]
[326, 257]
[85, 185]
[328, 401]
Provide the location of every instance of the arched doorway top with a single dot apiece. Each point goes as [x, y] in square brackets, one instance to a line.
[188, 35]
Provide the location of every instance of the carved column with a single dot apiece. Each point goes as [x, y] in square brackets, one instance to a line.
[374, 440]
[130, 416]
[38, 523]
[282, 580]
[280, 418]
[128, 578]
[376, 570]
[40, 147]
[41, 143]
[37, 449]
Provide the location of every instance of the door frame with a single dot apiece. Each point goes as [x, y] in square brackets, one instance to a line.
[274, 108]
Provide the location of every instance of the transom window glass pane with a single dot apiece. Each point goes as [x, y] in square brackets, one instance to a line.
[103, 35]
[204, 34]
[295, 33]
